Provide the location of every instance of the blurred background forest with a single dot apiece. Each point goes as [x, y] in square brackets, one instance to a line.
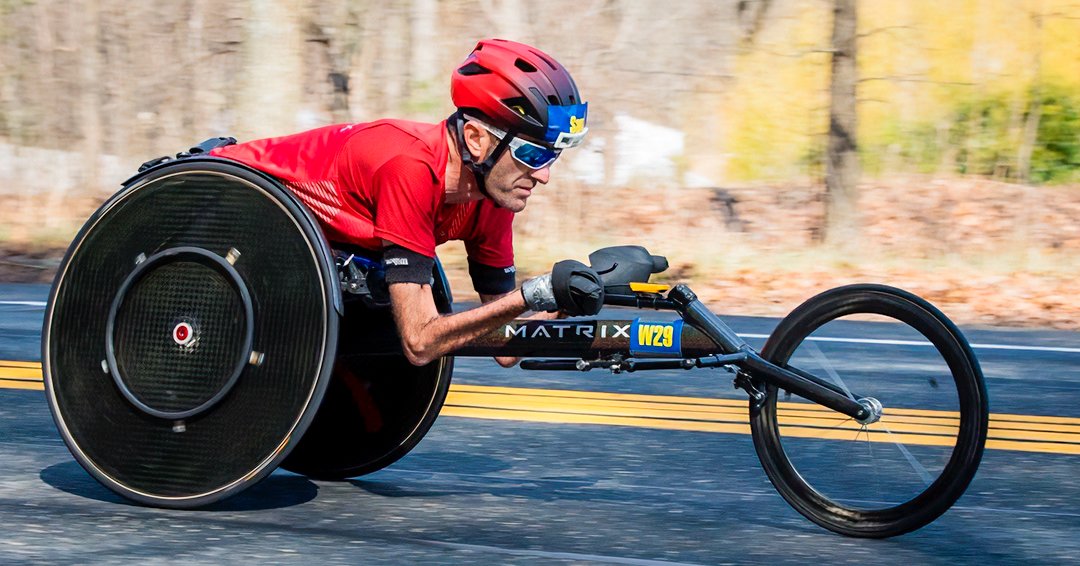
[710, 127]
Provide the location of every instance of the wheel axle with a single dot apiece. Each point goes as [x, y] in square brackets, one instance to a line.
[873, 408]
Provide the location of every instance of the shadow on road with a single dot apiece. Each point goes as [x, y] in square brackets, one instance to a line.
[275, 492]
[69, 477]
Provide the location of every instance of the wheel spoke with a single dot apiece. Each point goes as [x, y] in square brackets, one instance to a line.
[918, 467]
[876, 470]
[827, 365]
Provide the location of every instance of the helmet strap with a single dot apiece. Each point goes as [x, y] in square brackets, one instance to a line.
[456, 124]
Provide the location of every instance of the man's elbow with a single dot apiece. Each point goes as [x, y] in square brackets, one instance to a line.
[418, 353]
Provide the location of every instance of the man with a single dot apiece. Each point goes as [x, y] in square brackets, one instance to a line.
[404, 187]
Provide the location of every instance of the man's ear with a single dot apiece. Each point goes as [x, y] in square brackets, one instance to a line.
[477, 140]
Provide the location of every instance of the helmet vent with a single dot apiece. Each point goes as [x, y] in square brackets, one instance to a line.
[553, 100]
[524, 66]
[473, 69]
[550, 63]
[521, 106]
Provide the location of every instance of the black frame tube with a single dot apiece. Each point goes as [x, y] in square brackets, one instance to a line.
[803, 387]
[703, 335]
[578, 338]
[696, 313]
[812, 388]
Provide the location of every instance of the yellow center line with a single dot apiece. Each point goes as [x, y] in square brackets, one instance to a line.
[14, 372]
[14, 364]
[17, 384]
[1032, 433]
[793, 420]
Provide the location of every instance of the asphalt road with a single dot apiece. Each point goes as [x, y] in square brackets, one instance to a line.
[516, 490]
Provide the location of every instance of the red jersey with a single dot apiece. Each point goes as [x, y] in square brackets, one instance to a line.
[382, 180]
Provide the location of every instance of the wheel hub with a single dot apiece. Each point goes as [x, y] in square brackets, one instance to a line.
[873, 409]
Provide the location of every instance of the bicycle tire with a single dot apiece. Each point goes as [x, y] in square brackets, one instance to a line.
[780, 430]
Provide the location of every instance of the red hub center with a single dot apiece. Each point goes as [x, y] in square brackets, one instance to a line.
[182, 334]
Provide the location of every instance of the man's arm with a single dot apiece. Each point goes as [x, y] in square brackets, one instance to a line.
[509, 361]
[571, 288]
[427, 335]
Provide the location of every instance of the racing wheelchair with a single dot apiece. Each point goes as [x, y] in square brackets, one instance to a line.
[201, 332]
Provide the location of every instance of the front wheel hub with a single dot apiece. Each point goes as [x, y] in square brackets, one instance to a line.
[873, 410]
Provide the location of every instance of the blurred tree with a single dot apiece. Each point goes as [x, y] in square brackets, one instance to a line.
[90, 100]
[751, 16]
[1034, 113]
[842, 158]
[424, 60]
[272, 84]
[944, 87]
[508, 18]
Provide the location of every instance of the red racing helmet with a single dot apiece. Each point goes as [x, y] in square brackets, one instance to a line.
[522, 90]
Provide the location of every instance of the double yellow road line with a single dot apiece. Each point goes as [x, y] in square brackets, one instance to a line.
[1029, 433]
[20, 375]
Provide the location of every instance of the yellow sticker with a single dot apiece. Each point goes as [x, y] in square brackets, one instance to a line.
[576, 124]
[649, 287]
[656, 338]
[659, 335]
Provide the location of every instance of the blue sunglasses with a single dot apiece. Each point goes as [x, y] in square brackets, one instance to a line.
[529, 154]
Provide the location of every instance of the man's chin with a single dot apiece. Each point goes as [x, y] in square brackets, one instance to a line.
[513, 204]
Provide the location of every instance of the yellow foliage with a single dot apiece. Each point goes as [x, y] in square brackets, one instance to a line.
[918, 60]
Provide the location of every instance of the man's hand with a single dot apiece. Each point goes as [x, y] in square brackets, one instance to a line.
[572, 288]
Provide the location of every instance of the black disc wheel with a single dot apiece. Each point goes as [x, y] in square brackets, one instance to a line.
[376, 410]
[893, 352]
[190, 333]
[377, 407]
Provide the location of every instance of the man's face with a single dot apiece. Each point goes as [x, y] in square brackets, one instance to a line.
[510, 183]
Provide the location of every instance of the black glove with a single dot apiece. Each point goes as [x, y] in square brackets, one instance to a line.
[578, 289]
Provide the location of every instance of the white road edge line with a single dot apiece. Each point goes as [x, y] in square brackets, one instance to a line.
[24, 303]
[816, 338]
[917, 343]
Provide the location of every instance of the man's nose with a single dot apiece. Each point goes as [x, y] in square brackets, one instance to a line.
[541, 175]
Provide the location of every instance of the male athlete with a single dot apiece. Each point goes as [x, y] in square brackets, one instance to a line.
[403, 188]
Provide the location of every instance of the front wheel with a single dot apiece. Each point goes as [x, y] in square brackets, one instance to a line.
[897, 474]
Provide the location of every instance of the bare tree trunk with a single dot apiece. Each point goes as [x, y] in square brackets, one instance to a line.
[90, 96]
[47, 110]
[508, 18]
[89, 105]
[751, 17]
[1034, 114]
[1031, 135]
[630, 16]
[272, 84]
[394, 58]
[424, 42]
[424, 83]
[842, 159]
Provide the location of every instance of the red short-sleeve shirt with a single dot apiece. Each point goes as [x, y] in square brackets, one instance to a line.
[378, 181]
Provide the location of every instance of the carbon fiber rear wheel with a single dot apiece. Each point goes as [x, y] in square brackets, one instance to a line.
[190, 333]
[377, 407]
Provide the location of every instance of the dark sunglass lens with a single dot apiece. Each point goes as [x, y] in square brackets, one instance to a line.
[535, 156]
